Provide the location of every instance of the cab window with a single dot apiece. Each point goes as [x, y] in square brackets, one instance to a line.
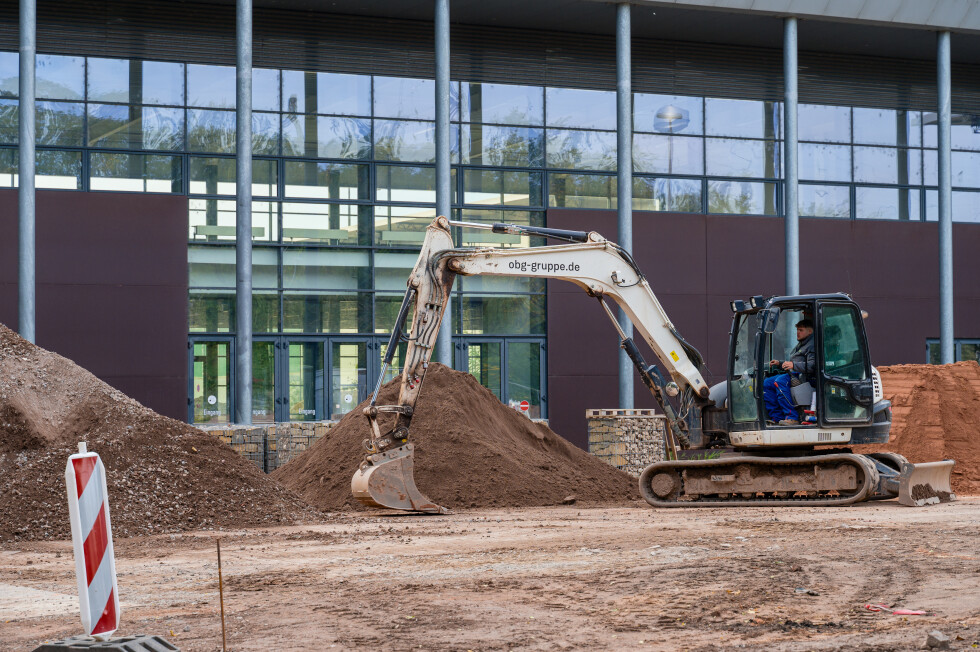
[845, 358]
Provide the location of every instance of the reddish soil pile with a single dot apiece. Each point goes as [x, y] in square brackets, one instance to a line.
[936, 416]
[471, 451]
[163, 475]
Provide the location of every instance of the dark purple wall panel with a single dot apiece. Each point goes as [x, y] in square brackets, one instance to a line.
[697, 263]
[111, 288]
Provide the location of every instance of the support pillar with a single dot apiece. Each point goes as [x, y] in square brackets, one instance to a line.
[624, 178]
[791, 158]
[444, 344]
[944, 92]
[243, 214]
[26, 285]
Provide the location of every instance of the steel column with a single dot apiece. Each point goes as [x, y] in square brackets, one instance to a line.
[444, 345]
[624, 178]
[243, 214]
[944, 91]
[26, 298]
[790, 157]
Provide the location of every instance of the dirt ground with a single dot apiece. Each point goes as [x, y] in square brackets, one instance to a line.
[556, 578]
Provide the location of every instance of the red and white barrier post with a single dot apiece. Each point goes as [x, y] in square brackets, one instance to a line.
[91, 536]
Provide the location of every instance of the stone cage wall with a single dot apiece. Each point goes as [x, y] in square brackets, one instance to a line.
[630, 440]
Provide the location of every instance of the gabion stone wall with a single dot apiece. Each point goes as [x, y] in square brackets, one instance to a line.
[271, 445]
[630, 440]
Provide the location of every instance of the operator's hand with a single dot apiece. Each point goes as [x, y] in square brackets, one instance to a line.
[774, 363]
[787, 366]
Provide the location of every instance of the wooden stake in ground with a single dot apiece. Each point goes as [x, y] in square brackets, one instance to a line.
[221, 598]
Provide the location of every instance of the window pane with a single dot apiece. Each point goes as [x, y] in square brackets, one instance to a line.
[668, 154]
[966, 207]
[825, 201]
[109, 80]
[8, 168]
[571, 108]
[9, 122]
[742, 118]
[502, 146]
[741, 158]
[135, 82]
[60, 123]
[524, 376]
[741, 197]
[324, 92]
[401, 226]
[216, 176]
[336, 224]
[135, 127]
[213, 220]
[391, 272]
[211, 311]
[482, 237]
[675, 195]
[321, 180]
[211, 131]
[581, 191]
[9, 74]
[826, 124]
[879, 127]
[163, 83]
[135, 172]
[58, 170]
[265, 133]
[326, 269]
[60, 78]
[825, 162]
[386, 307]
[501, 188]
[502, 104]
[409, 141]
[668, 114]
[502, 315]
[886, 165]
[966, 169]
[584, 150]
[887, 204]
[211, 86]
[214, 267]
[318, 136]
[400, 97]
[326, 312]
[265, 89]
[406, 184]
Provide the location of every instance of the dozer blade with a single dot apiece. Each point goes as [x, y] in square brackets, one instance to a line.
[926, 484]
[388, 480]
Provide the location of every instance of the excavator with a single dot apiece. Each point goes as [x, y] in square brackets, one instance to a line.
[722, 450]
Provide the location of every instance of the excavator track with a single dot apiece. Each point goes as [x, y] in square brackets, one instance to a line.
[745, 481]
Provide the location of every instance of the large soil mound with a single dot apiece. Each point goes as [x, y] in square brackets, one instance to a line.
[163, 475]
[471, 451]
[936, 416]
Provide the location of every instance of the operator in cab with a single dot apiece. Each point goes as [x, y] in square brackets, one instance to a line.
[802, 364]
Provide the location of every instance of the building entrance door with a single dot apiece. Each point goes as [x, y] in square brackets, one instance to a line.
[513, 369]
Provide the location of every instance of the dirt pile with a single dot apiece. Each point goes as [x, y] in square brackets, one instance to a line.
[471, 451]
[163, 475]
[936, 416]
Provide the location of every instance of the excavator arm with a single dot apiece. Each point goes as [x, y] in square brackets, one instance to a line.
[598, 266]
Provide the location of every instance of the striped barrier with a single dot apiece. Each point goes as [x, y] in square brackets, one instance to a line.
[91, 536]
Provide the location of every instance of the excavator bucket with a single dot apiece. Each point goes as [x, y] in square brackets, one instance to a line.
[926, 484]
[388, 480]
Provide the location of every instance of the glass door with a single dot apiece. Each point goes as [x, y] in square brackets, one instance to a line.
[264, 398]
[209, 395]
[513, 369]
[484, 360]
[302, 380]
[348, 360]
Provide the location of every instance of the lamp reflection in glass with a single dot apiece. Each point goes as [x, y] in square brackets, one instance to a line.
[671, 119]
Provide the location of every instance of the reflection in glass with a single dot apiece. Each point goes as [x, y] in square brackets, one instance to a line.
[501, 284]
[524, 376]
[211, 131]
[136, 82]
[667, 154]
[214, 267]
[886, 165]
[501, 188]
[502, 315]
[397, 140]
[322, 180]
[60, 123]
[483, 237]
[325, 269]
[9, 122]
[133, 127]
[674, 195]
[401, 97]
[825, 162]
[211, 395]
[386, 307]
[668, 114]
[584, 150]
[163, 82]
[263, 382]
[966, 207]
[326, 312]
[216, 176]
[338, 224]
[741, 197]
[391, 271]
[741, 158]
[9, 74]
[502, 146]
[826, 124]
[211, 311]
[965, 169]
[324, 137]
[59, 78]
[573, 108]
[213, 220]
[58, 170]
[326, 93]
[887, 204]
[483, 361]
[964, 130]
[824, 201]
[401, 226]
[135, 172]
[348, 377]
[581, 191]
[880, 127]
[211, 86]
[406, 184]
[265, 89]
[265, 133]
[502, 104]
[741, 118]
[306, 381]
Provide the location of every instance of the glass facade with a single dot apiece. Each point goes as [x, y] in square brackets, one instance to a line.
[344, 185]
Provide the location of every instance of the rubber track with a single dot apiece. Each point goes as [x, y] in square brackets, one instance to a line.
[867, 470]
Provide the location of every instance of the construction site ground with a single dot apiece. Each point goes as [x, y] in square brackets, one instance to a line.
[544, 578]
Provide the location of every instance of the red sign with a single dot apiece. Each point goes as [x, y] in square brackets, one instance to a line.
[525, 406]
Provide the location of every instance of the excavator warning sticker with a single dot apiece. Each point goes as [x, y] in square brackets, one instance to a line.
[673, 354]
[525, 266]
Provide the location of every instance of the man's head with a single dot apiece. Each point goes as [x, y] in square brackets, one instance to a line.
[804, 329]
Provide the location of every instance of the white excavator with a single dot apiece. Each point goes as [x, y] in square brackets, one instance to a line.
[722, 450]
